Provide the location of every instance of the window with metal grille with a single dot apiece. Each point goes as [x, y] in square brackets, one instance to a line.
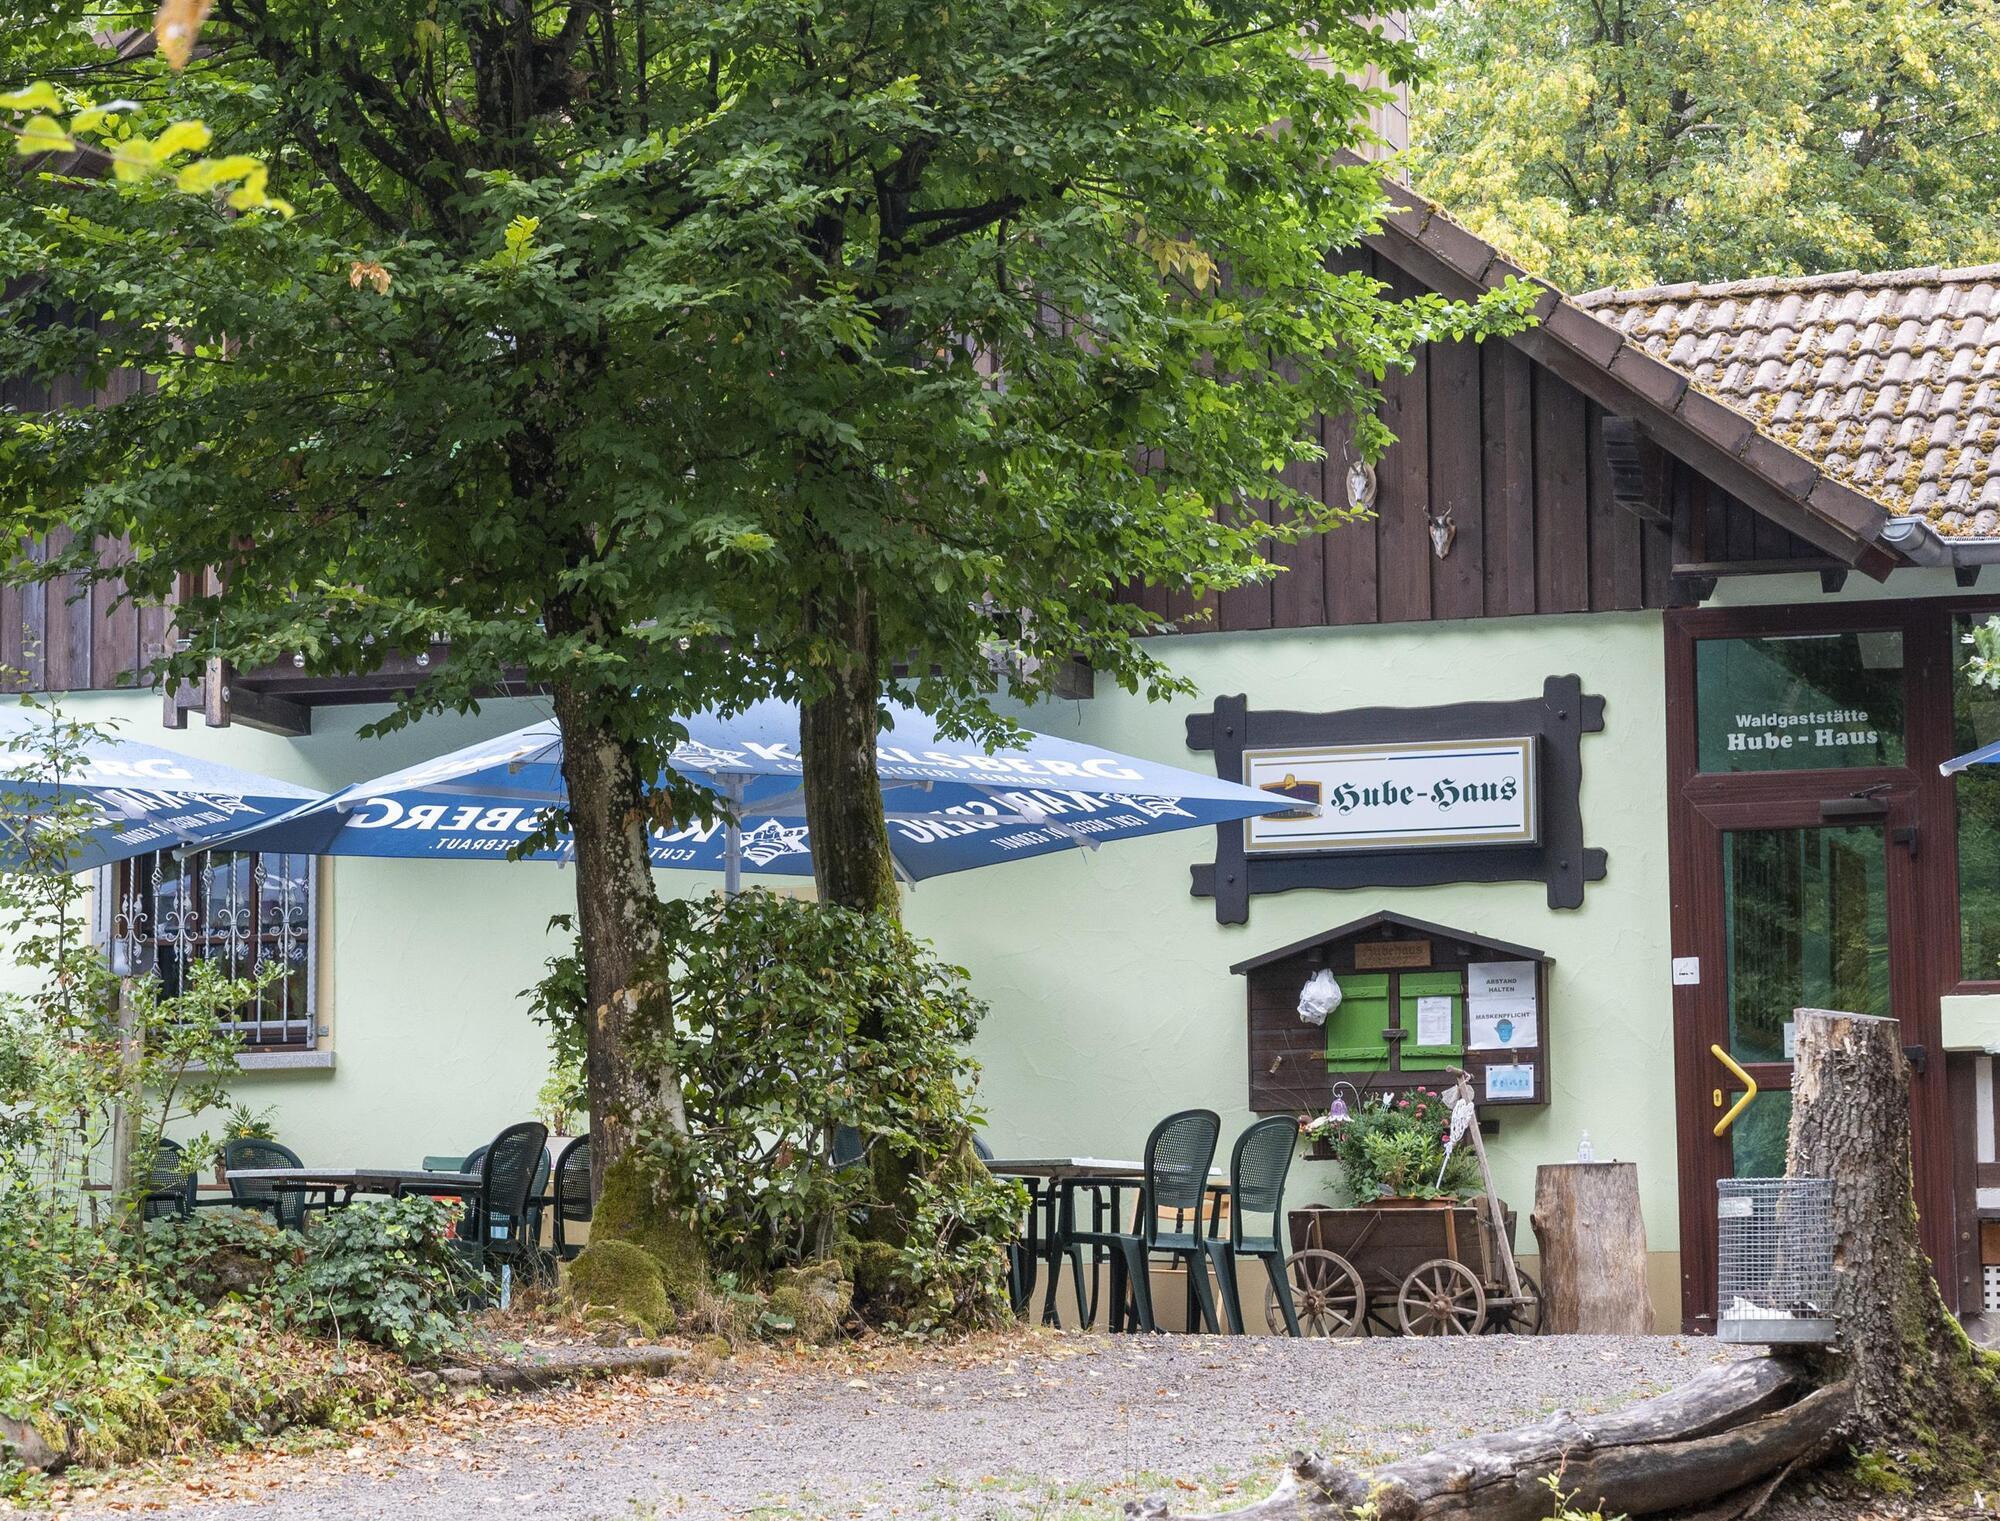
[243, 911]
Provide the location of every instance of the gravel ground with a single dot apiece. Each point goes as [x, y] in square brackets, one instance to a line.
[1038, 1425]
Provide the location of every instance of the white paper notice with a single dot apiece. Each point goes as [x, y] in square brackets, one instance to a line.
[1434, 1021]
[1500, 1010]
[1510, 1082]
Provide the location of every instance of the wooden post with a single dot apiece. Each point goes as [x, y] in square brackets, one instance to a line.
[1496, 1212]
[1593, 1241]
[127, 1117]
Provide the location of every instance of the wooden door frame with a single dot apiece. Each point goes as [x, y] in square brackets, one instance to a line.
[1923, 969]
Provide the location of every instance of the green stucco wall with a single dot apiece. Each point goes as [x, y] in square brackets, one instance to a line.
[1110, 987]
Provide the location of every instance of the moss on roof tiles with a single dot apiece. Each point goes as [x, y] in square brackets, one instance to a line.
[1843, 330]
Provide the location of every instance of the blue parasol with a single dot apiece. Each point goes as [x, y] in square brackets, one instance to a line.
[951, 806]
[142, 798]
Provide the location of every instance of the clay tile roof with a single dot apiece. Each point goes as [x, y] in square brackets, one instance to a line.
[1890, 382]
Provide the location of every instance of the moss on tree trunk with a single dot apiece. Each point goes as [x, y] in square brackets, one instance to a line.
[633, 1087]
[1926, 1401]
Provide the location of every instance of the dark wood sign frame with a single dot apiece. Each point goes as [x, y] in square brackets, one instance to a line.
[1560, 718]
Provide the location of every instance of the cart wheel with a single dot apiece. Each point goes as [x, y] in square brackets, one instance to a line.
[1441, 1298]
[1327, 1296]
[1518, 1320]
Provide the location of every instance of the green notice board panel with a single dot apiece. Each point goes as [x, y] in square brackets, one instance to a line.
[1413, 991]
[1354, 1040]
[1418, 1003]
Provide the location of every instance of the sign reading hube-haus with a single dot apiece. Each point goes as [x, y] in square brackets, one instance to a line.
[1432, 793]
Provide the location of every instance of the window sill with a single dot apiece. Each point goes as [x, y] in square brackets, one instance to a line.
[279, 1061]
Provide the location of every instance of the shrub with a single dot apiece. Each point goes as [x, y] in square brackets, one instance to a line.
[1396, 1148]
[215, 1253]
[122, 1342]
[944, 1272]
[383, 1271]
[794, 1024]
[109, 1361]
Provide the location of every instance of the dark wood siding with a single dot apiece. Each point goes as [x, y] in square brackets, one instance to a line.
[1513, 458]
[60, 636]
[1716, 534]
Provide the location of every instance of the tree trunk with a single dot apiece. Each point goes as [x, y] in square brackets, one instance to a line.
[633, 1085]
[1593, 1242]
[1904, 1354]
[837, 737]
[852, 867]
[618, 933]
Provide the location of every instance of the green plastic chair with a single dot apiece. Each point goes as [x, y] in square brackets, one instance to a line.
[286, 1206]
[495, 1229]
[573, 1203]
[169, 1191]
[1178, 1155]
[1257, 1169]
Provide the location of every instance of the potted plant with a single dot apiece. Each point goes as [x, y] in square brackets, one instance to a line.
[1393, 1151]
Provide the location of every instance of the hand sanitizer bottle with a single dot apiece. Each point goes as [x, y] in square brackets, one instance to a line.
[1585, 1152]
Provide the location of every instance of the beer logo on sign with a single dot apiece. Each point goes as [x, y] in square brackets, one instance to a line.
[772, 840]
[1308, 793]
[695, 756]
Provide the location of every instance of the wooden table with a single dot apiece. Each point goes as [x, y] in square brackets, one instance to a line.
[1053, 1183]
[348, 1181]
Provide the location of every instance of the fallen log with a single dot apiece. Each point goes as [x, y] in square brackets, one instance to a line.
[1902, 1383]
[1712, 1436]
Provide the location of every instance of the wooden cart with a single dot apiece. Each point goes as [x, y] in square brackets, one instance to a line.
[1424, 1267]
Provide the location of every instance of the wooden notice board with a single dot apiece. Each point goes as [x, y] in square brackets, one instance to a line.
[1417, 999]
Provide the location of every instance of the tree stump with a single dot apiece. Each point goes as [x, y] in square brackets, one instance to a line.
[1593, 1243]
[1906, 1357]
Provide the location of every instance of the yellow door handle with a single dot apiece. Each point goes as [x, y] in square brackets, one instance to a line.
[1749, 1090]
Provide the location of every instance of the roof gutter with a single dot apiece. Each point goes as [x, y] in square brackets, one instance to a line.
[1919, 543]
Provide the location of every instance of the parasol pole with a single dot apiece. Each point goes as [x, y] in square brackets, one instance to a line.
[732, 838]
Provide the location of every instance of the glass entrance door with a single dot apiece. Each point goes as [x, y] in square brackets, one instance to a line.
[1805, 918]
[1807, 905]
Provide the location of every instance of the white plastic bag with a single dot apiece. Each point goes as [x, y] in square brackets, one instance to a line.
[1319, 997]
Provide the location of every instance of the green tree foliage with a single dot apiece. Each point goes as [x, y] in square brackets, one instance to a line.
[1624, 142]
[664, 356]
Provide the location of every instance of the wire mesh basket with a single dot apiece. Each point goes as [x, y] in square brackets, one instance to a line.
[1774, 1260]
